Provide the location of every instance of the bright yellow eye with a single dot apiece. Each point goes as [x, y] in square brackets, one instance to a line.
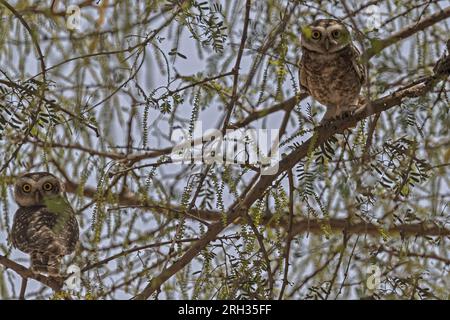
[336, 34]
[47, 186]
[26, 187]
[315, 35]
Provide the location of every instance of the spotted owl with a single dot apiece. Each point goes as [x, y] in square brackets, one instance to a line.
[330, 69]
[45, 225]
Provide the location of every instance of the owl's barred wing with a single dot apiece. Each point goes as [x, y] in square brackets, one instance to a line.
[358, 66]
[38, 229]
[19, 233]
[302, 76]
[71, 233]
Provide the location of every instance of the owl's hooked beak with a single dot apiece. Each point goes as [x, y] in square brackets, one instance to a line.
[38, 196]
[327, 44]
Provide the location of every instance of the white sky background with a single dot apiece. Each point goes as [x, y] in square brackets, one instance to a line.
[153, 78]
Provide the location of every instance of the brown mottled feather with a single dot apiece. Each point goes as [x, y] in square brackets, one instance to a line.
[332, 77]
[34, 232]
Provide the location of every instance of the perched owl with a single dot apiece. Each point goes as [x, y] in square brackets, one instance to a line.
[44, 226]
[330, 70]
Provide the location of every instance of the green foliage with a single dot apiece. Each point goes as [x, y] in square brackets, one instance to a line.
[103, 114]
[204, 22]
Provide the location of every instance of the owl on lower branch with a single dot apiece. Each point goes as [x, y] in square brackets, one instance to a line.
[45, 225]
[330, 69]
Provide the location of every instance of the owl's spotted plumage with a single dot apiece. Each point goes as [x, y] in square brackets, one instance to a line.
[330, 70]
[44, 226]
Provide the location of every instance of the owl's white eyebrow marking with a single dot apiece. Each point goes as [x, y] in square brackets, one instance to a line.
[336, 27]
[25, 180]
[321, 29]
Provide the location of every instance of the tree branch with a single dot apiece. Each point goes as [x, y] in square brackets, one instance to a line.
[26, 273]
[407, 32]
[416, 89]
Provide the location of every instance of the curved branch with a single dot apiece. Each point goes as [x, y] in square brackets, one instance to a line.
[32, 34]
[415, 89]
[26, 273]
[407, 32]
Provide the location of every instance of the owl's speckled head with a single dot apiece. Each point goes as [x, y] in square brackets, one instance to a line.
[32, 188]
[325, 36]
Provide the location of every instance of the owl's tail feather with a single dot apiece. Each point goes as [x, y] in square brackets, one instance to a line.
[45, 263]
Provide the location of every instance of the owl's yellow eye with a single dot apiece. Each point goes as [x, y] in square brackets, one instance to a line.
[335, 34]
[47, 186]
[26, 187]
[315, 35]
